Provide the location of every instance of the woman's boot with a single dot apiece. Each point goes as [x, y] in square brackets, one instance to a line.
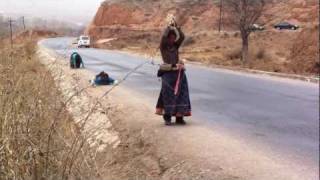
[167, 119]
[179, 120]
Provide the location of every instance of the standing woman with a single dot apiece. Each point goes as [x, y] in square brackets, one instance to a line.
[174, 96]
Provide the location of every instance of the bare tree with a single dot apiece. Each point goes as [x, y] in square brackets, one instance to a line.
[243, 14]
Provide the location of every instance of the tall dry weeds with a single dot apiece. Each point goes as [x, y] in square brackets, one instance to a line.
[38, 138]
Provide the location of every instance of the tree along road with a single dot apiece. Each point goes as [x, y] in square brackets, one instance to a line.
[280, 115]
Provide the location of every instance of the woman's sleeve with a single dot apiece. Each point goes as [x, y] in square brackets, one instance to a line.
[181, 37]
[164, 38]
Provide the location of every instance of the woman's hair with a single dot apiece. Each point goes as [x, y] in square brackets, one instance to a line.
[103, 75]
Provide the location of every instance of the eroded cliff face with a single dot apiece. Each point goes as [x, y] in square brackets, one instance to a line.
[117, 14]
[124, 16]
[137, 25]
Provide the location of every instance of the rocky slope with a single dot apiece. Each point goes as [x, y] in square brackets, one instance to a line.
[137, 24]
[149, 16]
[193, 15]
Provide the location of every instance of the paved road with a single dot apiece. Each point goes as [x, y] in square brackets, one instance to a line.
[281, 115]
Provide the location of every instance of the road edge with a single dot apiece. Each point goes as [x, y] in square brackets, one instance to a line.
[92, 119]
[309, 79]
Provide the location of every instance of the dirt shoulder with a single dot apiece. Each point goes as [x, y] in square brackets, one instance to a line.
[148, 150]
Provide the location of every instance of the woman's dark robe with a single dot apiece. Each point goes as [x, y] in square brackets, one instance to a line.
[170, 103]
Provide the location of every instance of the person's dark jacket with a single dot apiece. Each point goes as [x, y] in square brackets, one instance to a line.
[76, 60]
[170, 54]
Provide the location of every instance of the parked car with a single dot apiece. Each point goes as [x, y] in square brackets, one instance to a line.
[256, 27]
[286, 25]
[84, 41]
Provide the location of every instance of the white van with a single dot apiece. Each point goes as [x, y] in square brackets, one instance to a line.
[84, 41]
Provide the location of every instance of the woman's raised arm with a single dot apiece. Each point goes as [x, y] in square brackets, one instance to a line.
[181, 37]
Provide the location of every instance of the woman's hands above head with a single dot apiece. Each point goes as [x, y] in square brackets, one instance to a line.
[171, 20]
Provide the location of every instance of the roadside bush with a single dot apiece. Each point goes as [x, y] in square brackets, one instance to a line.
[304, 54]
[236, 34]
[225, 35]
[188, 41]
[233, 54]
[260, 54]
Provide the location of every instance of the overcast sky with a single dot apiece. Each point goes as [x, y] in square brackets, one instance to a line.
[74, 10]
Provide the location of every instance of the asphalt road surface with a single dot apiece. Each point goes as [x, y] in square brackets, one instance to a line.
[281, 115]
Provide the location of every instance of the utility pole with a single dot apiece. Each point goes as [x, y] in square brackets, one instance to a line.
[23, 22]
[220, 17]
[10, 24]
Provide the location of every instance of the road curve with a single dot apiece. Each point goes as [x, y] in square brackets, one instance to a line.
[279, 115]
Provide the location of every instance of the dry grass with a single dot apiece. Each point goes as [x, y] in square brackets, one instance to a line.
[305, 52]
[233, 54]
[261, 53]
[38, 138]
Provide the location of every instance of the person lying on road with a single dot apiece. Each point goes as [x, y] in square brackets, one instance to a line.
[103, 79]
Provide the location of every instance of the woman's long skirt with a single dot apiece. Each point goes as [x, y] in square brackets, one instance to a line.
[170, 103]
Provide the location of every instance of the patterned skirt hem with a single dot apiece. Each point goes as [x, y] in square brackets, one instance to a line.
[160, 111]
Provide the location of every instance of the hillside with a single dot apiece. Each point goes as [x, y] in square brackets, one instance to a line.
[137, 24]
